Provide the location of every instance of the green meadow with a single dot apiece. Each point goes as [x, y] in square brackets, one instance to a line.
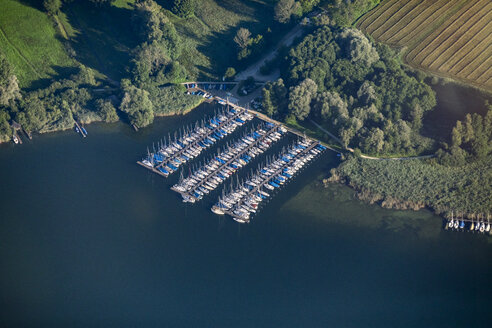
[31, 43]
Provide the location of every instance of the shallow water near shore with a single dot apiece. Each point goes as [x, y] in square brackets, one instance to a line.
[89, 238]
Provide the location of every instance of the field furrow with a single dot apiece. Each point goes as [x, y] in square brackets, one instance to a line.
[385, 16]
[393, 19]
[479, 65]
[435, 37]
[467, 60]
[472, 43]
[486, 75]
[461, 34]
[376, 12]
[404, 22]
[452, 38]
[421, 23]
[488, 83]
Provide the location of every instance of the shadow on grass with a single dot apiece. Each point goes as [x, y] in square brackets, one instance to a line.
[38, 4]
[454, 101]
[104, 38]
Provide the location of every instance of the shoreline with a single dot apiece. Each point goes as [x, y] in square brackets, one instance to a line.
[94, 120]
[388, 202]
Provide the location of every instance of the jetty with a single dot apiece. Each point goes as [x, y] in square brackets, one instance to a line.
[478, 225]
[196, 86]
[220, 167]
[15, 135]
[80, 129]
[170, 156]
[247, 197]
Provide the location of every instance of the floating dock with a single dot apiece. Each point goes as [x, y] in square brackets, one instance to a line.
[81, 130]
[479, 225]
[220, 169]
[168, 157]
[276, 172]
[171, 156]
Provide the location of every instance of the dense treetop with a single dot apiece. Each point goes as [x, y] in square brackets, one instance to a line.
[359, 89]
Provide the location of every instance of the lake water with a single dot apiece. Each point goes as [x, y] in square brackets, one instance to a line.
[89, 238]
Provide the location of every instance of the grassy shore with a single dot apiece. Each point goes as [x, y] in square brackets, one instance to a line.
[415, 184]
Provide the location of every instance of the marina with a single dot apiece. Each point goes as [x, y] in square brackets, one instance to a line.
[225, 164]
[171, 154]
[145, 227]
[244, 200]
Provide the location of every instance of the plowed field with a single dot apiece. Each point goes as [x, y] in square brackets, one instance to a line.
[452, 38]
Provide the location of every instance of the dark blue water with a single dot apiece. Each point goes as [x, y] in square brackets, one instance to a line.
[88, 238]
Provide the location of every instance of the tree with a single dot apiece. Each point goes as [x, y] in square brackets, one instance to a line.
[471, 139]
[5, 130]
[107, 111]
[307, 5]
[366, 93]
[102, 2]
[300, 98]
[331, 106]
[404, 133]
[153, 25]
[9, 87]
[275, 98]
[138, 106]
[34, 116]
[457, 134]
[284, 9]
[184, 8]
[229, 73]
[267, 102]
[416, 115]
[361, 87]
[52, 6]
[374, 141]
[243, 38]
[357, 47]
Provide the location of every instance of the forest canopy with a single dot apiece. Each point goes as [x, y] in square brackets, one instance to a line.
[359, 89]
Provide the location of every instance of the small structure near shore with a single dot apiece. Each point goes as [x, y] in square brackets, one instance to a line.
[15, 136]
[480, 224]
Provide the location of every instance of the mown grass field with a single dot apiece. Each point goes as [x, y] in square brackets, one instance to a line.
[31, 44]
[452, 38]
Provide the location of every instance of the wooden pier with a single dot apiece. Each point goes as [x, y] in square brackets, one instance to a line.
[265, 118]
[15, 128]
[18, 137]
[221, 167]
[468, 224]
[80, 128]
[152, 169]
[266, 180]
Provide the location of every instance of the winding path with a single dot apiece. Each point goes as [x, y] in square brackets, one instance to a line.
[254, 69]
